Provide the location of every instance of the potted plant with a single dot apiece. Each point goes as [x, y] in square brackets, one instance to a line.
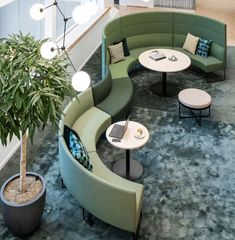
[32, 90]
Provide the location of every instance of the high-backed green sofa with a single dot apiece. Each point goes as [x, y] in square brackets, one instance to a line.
[149, 30]
[101, 192]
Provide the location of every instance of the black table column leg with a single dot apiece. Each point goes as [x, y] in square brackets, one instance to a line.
[164, 88]
[200, 117]
[128, 163]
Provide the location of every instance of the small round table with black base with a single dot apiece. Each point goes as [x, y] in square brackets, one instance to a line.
[165, 65]
[164, 89]
[129, 168]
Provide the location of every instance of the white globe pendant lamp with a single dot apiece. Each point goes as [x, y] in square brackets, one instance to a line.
[146, 1]
[81, 81]
[37, 11]
[81, 14]
[49, 50]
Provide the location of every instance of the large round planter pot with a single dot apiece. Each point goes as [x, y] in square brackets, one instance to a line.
[23, 219]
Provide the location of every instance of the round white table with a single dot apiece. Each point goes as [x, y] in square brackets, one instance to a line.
[165, 66]
[129, 168]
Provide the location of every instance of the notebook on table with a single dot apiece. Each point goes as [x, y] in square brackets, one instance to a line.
[119, 130]
[155, 55]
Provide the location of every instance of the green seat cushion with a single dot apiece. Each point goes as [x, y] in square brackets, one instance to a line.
[121, 69]
[208, 64]
[90, 126]
[136, 52]
[118, 102]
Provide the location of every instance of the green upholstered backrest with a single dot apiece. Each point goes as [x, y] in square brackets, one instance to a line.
[147, 22]
[200, 26]
[133, 27]
[102, 89]
[113, 31]
[147, 29]
[218, 51]
[110, 202]
[163, 29]
[148, 40]
[77, 107]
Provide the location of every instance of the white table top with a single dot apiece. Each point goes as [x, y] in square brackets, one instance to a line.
[129, 141]
[165, 65]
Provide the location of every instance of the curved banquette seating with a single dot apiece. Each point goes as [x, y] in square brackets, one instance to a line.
[149, 30]
[101, 192]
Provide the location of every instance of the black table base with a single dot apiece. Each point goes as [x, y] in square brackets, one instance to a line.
[136, 169]
[129, 169]
[164, 89]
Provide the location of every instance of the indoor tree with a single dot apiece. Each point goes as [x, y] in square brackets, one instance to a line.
[32, 90]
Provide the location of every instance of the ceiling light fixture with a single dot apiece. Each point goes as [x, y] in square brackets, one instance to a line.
[81, 15]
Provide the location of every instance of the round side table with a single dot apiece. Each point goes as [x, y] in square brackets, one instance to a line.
[182, 62]
[129, 168]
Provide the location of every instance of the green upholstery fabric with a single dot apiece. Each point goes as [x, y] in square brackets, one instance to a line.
[102, 88]
[200, 26]
[121, 69]
[150, 39]
[113, 32]
[218, 52]
[113, 203]
[107, 196]
[90, 126]
[136, 52]
[126, 215]
[118, 102]
[179, 40]
[84, 103]
[203, 27]
[206, 64]
[147, 23]
[151, 29]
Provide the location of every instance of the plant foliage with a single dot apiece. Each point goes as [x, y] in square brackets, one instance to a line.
[32, 88]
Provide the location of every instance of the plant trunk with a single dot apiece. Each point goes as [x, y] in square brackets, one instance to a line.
[23, 163]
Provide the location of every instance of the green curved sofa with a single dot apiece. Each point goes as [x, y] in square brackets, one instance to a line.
[101, 192]
[144, 31]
